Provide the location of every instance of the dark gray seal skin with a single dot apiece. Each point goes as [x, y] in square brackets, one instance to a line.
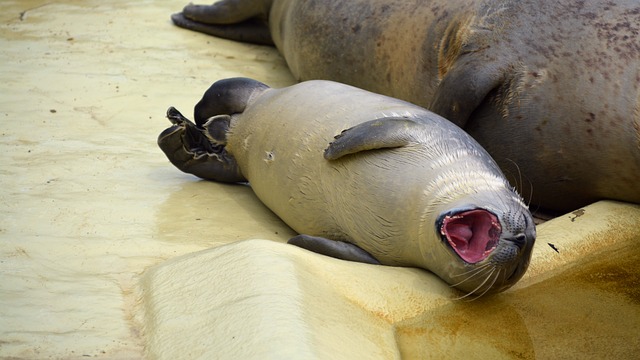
[550, 88]
[361, 177]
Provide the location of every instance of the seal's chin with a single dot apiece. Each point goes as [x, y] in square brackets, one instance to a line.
[472, 234]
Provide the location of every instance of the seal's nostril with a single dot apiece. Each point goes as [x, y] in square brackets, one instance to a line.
[520, 240]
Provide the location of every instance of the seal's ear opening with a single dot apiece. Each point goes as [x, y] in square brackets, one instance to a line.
[472, 234]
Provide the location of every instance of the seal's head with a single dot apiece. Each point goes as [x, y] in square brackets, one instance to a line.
[489, 246]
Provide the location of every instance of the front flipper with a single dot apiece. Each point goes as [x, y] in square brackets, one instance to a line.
[227, 11]
[375, 134]
[253, 31]
[199, 151]
[463, 90]
[239, 20]
[336, 249]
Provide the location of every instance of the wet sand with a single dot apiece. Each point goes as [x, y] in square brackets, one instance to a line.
[88, 199]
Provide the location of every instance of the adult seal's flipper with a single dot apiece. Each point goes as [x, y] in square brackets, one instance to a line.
[199, 150]
[239, 20]
[253, 31]
[336, 249]
[375, 134]
[466, 76]
[463, 89]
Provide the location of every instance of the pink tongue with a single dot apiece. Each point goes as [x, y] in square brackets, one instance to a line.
[472, 234]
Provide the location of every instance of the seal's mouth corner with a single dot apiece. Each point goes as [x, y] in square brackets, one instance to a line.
[472, 234]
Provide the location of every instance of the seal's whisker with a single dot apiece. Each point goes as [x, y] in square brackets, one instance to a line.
[480, 272]
[530, 193]
[473, 271]
[495, 278]
[518, 180]
[479, 286]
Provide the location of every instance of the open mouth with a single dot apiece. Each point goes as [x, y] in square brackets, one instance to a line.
[472, 234]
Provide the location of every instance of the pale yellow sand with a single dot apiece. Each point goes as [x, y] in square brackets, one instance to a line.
[108, 251]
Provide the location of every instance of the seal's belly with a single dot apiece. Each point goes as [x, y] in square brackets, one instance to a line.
[280, 152]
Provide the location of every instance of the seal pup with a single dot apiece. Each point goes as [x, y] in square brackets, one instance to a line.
[361, 177]
[551, 89]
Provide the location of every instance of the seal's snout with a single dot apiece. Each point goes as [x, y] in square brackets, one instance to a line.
[472, 234]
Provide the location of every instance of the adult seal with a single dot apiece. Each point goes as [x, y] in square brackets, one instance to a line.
[361, 177]
[550, 88]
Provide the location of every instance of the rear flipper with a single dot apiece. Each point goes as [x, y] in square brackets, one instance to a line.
[200, 150]
[239, 20]
[336, 249]
[228, 96]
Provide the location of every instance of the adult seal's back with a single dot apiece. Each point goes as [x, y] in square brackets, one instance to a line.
[550, 88]
[361, 177]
